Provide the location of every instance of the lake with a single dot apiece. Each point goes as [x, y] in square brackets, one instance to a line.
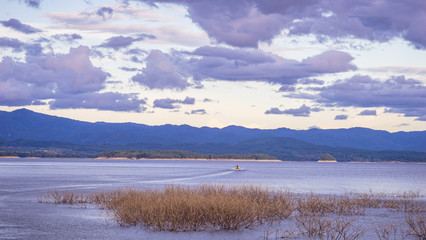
[22, 180]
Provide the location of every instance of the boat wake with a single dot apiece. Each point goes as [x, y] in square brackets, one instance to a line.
[179, 179]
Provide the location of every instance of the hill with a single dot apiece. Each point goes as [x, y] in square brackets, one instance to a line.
[287, 149]
[29, 125]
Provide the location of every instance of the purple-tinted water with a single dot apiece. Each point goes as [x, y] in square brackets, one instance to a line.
[22, 180]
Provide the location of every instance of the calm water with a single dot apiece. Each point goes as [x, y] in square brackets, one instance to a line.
[22, 180]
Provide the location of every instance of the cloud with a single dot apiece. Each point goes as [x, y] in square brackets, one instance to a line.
[12, 43]
[376, 21]
[246, 23]
[197, 111]
[67, 37]
[368, 113]
[105, 12]
[32, 3]
[18, 46]
[127, 69]
[168, 103]
[341, 117]
[161, 73]
[363, 91]
[398, 93]
[118, 42]
[287, 88]
[38, 103]
[172, 71]
[102, 101]
[302, 111]
[132, 20]
[255, 65]
[49, 77]
[306, 81]
[330, 61]
[20, 27]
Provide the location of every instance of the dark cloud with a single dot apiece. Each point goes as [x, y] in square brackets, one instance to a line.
[246, 23]
[136, 59]
[249, 55]
[161, 73]
[137, 55]
[118, 42]
[14, 43]
[306, 81]
[172, 71]
[399, 94]
[67, 37]
[31, 49]
[33, 3]
[18, 26]
[127, 69]
[287, 88]
[302, 111]
[105, 12]
[136, 51]
[418, 112]
[378, 21]
[102, 101]
[363, 91]
[341, 117]
[197, 111]
[168, 103]
[48, 77]
[368, 113]
[256, 65]
[38, 103]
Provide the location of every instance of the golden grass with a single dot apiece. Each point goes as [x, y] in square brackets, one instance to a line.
[204, 207]
[214, 207]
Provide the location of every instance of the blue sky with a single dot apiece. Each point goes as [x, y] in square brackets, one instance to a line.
[253, 63]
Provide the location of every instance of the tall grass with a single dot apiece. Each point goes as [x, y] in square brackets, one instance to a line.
[204, 207]
[214, 207]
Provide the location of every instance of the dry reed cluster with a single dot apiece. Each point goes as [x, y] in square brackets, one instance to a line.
[179, 208]
[193, 209]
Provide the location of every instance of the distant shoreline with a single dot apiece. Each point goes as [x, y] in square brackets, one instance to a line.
[195, 159]
[201, 159]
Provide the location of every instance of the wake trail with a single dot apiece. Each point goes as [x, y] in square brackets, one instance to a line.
[221, 173]
[32, 190]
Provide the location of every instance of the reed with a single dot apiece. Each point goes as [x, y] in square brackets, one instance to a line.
[335, 228]
[322, 205]
[417, 224]
[390, 231]
[214, 207]
[62, 197]
[177, 208]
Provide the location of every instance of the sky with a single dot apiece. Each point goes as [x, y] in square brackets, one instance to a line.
[255, 63]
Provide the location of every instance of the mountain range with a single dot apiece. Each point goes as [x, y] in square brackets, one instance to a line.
[23, 127]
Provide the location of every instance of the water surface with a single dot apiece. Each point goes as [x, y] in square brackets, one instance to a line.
[22, 180]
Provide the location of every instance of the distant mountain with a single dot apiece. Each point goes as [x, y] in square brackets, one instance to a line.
[287, 149]
[26, 124]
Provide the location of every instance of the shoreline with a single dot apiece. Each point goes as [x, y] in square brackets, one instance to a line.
[200, 159]
[195, 159]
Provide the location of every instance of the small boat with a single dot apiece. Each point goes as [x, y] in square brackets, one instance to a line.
[237, 168]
